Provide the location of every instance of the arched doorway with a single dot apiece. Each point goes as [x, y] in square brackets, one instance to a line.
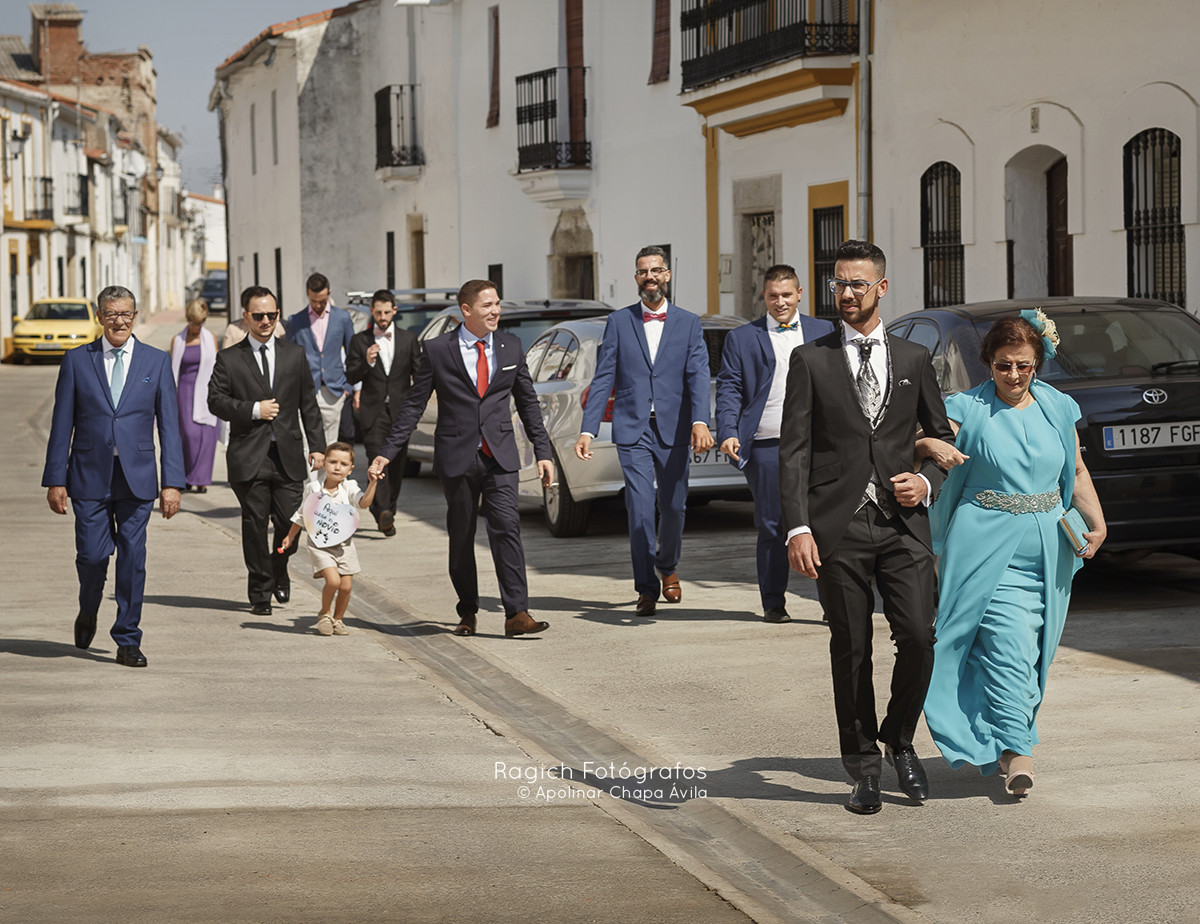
[1040, 259]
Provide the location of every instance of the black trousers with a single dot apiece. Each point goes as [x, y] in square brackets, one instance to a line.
[488, 487]
[270, 498]
[880, 550]
[375, 434]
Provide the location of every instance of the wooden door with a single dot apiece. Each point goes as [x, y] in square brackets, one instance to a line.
[1060, 267]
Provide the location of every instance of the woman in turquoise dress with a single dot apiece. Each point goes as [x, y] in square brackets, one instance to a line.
[1004, 577]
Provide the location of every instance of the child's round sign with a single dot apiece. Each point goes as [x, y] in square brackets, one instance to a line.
[327, 523]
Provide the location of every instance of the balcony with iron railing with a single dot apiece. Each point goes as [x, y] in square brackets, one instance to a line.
[398, 151]
[724, 38]
[39, 201]
[77, 199]
[554, 157]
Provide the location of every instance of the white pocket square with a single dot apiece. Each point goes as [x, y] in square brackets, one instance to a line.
[903, 382]
[506, 368]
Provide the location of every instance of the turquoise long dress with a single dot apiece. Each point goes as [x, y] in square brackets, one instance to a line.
[1004, 579]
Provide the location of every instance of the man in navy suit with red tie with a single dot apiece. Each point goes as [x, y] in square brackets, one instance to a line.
[750, 390]
[476, 370]
[111, 396]
[654, 362]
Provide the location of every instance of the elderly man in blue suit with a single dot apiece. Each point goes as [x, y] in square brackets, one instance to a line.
[110, 396]
[325, 332]
[654, 361]
[750, 390]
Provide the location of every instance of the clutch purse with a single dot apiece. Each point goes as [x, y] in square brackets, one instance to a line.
[1074, 526]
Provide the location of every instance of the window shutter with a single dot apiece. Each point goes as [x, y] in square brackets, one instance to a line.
[660, 57]
[493, 116]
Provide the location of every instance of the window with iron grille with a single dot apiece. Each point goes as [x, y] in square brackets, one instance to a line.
[542, 122]
[77, 195]
[721, 38]
[828, 233]
[941, 235]
[396, 141]
[1154, 238]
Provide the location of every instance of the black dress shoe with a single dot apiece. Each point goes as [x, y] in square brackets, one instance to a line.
[85, 630]
[776, 614]
[260, 609]
[909, 772]
[864, 799]
[387, 523]
[283, 589]
[130, 656]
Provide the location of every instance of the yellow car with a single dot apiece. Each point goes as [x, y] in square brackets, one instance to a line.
[55, 325]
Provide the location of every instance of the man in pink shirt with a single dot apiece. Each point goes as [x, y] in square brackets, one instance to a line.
[325, 332]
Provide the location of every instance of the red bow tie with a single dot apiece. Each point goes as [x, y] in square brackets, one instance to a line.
[651, 316]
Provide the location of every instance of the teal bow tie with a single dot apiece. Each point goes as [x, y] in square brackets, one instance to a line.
[795, 325]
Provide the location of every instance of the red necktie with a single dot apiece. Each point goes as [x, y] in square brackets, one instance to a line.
[651, 316]
[481, 383]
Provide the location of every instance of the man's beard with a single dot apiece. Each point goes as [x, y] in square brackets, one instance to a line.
[655, 297]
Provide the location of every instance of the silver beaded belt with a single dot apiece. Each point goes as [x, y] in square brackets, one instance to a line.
[1019, 503]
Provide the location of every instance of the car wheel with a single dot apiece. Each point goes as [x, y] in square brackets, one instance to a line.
[564, 515]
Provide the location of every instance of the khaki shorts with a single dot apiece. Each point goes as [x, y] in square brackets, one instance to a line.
[341, 556]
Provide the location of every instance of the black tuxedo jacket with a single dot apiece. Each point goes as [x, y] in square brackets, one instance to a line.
[827, 449]
[379, 387]
[463, 416]
[236, 385]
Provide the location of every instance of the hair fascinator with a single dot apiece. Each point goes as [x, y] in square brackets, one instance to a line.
[1044, 326]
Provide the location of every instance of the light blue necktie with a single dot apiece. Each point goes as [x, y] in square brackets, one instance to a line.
[118, 376]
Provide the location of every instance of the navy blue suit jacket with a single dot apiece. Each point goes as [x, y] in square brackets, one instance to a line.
[86, 427]
[463, 416]
[677, 385]
[744, 382]
[326, 364]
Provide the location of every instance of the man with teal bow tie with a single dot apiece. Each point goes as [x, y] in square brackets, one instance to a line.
[750, 389]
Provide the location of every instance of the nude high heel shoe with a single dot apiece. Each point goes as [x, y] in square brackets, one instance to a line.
[1018, 773]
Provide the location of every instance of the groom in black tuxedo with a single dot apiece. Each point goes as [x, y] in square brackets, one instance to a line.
[856, 512]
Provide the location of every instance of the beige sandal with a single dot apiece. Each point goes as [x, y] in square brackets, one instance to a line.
[1018, 773]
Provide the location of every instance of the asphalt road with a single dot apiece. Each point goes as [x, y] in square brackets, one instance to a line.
[258, 772]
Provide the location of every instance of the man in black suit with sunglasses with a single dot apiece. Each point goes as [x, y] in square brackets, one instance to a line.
[263, 387]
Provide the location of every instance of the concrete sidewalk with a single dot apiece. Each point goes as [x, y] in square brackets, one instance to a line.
[256, 771]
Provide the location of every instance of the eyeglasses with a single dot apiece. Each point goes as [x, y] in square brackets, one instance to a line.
[859, 287]
[264, 315]
[654, 271]
[118, 317]
[1022, 368]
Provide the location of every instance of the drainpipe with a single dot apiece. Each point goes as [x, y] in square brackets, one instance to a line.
[863, 179]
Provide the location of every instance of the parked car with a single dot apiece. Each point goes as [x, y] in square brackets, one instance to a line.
[526, 319]
[415, 308]
[214, 289]
[54, 325]
[562, 362]
[1133, 365]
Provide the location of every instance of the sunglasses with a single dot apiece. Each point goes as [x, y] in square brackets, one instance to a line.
[264, 315]
[1022, 368]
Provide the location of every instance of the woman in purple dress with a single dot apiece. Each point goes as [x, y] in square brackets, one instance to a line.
[193, 353]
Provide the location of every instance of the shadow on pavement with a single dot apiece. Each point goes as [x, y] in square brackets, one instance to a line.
[42, 648]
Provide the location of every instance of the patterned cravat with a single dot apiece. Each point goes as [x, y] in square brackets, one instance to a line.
[118, 375]
[481, 383]
[795, 325]
[871, 399]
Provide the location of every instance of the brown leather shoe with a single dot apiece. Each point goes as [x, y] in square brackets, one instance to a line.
[671, 590]
[647, 605]
[523, 624]
[466, 625]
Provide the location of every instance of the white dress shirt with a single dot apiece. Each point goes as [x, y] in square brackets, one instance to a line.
[386, 342]
[654, 329]
[257, 349]
[470, 355]
[110, 358]
[782, 343]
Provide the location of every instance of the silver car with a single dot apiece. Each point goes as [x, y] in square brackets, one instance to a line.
[562, 362]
